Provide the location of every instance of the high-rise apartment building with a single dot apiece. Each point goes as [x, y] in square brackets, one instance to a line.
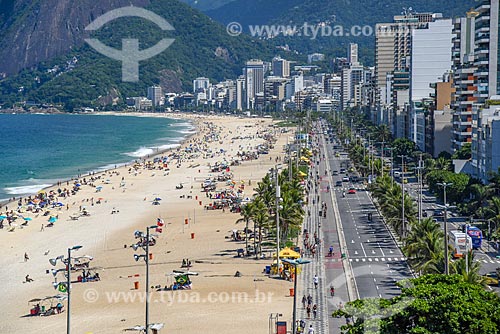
[463, 69]
[200, 84]
[281, 67]
[392, 53]
[430, 59]
[352, 54]
[155, 95]
[254, 81]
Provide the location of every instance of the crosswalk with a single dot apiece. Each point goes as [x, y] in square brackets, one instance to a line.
[378, 259]
[489, 261]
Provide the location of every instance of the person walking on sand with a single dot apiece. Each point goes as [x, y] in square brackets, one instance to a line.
[42, 228]
[26, 257]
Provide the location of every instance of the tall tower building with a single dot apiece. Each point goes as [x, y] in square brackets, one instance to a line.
[155, 95]
[254, 81]
[463, 79]
[392, 53]
[430, 59]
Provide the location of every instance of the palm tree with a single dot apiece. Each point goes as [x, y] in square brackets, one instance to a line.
[469, 272]
[481, 194]
[260, 219]
[247, 212]
[443, 164]
[424, 247]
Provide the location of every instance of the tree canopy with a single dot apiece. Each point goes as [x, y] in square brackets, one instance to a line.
[428, 304]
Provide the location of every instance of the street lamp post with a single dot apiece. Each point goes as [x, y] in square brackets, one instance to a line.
[403, 157]
[146, 259]
[278, 198]
[68, 288]
[295, 263]
[444, 185]
[419, 169]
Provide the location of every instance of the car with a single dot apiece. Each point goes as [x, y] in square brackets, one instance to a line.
[342, 170]
[438, 213]
[352, 190]
[345, 179]
[338, 184]
[354, 179]
[335, 172]
[491, 278]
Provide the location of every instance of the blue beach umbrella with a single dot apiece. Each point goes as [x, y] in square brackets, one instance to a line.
[52, 219]
[3, 217]
[28, 218]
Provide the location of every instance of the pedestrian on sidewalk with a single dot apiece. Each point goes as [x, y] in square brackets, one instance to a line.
[309, 300]
[311, 330]
[315, 281]
[308, 310]
[304, 301]
[315, 311]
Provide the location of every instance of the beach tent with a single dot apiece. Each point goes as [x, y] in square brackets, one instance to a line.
[288, 253]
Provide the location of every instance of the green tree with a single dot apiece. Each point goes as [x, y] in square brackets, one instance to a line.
[464, 152]
[427, 305]
[403, 146]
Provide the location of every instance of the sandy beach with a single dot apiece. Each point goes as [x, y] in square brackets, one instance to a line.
[218, 302]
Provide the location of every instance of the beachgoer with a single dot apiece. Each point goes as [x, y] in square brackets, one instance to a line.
[26, 257]
[41, 228]
[28, 279]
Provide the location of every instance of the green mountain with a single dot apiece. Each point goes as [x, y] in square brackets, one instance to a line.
[331, 14]
[84, 77]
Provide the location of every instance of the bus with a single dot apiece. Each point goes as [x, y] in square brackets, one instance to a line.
[460, 243]
[476, 236]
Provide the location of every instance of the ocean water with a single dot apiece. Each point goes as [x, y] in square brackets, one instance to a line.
[39, 150]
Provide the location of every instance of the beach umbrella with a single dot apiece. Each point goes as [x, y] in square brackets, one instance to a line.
[28, 218]
[59, 204]
[98, 187]
[52, 219]
[3, 217]
[157, 199]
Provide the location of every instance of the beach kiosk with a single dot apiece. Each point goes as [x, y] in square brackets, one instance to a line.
[286, 270]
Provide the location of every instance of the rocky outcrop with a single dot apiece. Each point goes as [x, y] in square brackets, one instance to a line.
[39, 30]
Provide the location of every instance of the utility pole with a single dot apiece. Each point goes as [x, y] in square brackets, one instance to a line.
[444, 185]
